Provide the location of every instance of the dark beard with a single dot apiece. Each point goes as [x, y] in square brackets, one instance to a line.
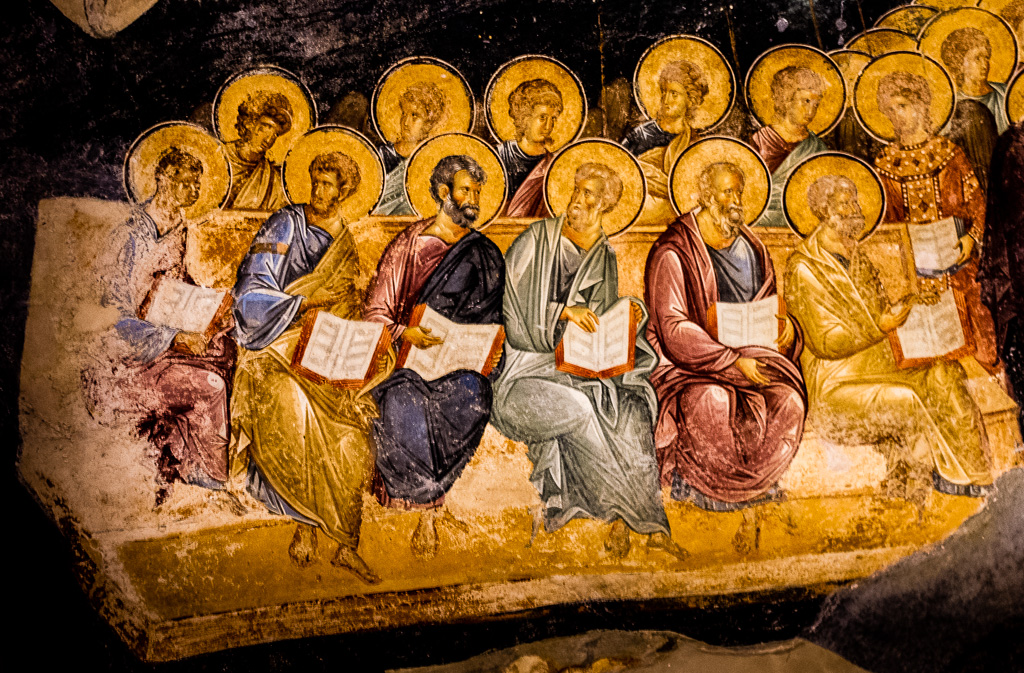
[464, 216]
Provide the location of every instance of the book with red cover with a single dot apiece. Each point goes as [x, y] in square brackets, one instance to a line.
[342, 353]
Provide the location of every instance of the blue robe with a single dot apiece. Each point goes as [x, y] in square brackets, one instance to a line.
[645, 137]
[428, 430]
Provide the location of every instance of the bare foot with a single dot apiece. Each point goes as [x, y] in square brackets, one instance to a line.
[303, 546]
[537, 514]
[349, 560]
[617, 543]
[424, 540]
[663, 542]
[745, 539]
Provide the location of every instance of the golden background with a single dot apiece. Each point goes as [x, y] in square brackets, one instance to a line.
[459, 106]
[512, 74]
[759, 84]
[870, 192]
[865, 96]
[685, 178]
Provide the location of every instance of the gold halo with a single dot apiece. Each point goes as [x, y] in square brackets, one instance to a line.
[881, 41]
[425, 158]
[561, 180]
[144, 154]
[335, 139]
[685, 176]
[1000, 38]
[759, 84]
[909, 19]
[1015, 99]
[850, 63]
[999, 8]
[870, 191]
[272, 80]
[719, 76]
[865, 93]
[943, 5]
[459, 108]
[574, 103]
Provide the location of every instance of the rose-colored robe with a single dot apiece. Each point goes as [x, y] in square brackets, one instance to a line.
[529, 200]
[726, 437]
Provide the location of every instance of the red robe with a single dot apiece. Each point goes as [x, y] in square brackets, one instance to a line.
[723, 435]
[529, 200]
[930, 182]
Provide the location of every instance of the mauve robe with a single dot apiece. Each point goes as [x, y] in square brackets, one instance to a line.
[725, 437]
[180, 400]
[428, 430]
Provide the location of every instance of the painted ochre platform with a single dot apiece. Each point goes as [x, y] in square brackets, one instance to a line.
[195, 575]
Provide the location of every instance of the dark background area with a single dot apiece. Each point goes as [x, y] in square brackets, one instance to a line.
[71, 105]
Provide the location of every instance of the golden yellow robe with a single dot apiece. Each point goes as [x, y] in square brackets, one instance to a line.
[856, 392]
[310, 441]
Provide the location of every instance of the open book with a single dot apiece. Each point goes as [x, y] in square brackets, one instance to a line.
[182, 306]
[932, 332]
[936, 246]
[746, 323]
[608, 352]
[341, 352]
[471, 347]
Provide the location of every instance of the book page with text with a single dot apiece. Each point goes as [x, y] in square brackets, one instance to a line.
[932, 331]
[614, 335]
[339, 349]
[465, 347]
[748, 323]
[935, 245]
[183, 306]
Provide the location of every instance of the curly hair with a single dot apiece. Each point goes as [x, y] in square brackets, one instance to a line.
[528, 95]
[177, 160]
[956, 46]
[821, 191]
[690, 76]
[342, 165]
[908, 85]
[611, 183]
[427, 96]
[788, 81]
[263, 104]
[446, 169]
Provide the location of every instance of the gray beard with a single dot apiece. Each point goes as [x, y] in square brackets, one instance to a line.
[849, 227]
[728, 219]
[580, 223]
[464, 216]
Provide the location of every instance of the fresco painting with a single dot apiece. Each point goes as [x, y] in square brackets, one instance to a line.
[465, 353]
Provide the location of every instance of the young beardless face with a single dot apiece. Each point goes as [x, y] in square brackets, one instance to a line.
[179, 186]
[541, 124]
[802, 107]
[414, 123]
[462, 203]
[975, 67]
[261, 136]
[674, 108]
[724, 201]
[586, 204]
[907, 116]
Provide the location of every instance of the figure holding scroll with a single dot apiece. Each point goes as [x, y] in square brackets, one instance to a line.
[590, 439]
[905, 98]
[308, 440]
[438, 272]
[731, 409]
[168, 375]
[857, 391]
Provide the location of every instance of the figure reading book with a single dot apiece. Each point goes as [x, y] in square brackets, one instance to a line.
[589, 435]
[307, 439]
[169, 376]
[928, 178]
[858, 392]
[732, 401]
[438, 290]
